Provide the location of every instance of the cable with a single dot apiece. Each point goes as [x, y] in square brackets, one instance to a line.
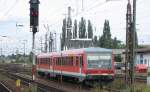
[101, 4]
[93, 7]
[7, 12]
[95, 1]
[70, 1]
[143, 17]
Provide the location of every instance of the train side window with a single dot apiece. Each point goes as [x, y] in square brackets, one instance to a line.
[81, 60]
[77, 61]
[56, 60]
[71, 60]
[44, 60]
[67, 61]
[40, 60]
[74, 61]
[63, 61]
[49, 61]
[59, 61]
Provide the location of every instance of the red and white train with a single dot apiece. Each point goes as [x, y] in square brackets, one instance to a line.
[86, 64]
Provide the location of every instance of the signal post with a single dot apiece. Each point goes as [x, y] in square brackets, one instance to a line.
[34, 24]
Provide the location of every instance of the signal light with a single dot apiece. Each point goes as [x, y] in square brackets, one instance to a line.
[35, 13]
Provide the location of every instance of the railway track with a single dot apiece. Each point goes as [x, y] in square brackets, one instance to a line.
[46, 85]
[4, 88]
[112, 90]
[55, 85]
[138, 78]
[41, 87]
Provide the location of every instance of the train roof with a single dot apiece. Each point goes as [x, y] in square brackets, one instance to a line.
[90, 49]
[96, 49]
[46, 54]
[77, 51]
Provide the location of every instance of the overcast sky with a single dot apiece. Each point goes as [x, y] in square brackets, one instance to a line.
[53, 11]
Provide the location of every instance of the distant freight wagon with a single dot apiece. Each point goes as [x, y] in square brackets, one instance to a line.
[83, 65]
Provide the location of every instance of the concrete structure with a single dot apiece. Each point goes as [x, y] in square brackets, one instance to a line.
[78, 43]
[142, 56]
[118, 51]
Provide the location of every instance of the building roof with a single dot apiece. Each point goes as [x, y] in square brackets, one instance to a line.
[141, 50]
[96, 49]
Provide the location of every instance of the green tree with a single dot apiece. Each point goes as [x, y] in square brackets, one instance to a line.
[116, 44]
[95, 42]
[117, 58]
[75, 29]
[63, 34]
[30, 57]
[90, 30]
[82, 28]
[69, 26]
[105, 40]
[17, 56]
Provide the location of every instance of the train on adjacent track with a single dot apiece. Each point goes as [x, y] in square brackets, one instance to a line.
[82, 65]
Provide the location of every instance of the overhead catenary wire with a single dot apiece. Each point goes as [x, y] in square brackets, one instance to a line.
[9, 10]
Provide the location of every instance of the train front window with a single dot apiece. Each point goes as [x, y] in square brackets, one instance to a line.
[99, 61]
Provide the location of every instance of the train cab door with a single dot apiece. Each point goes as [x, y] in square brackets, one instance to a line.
[53, 65]
[37, 63]
[81, 63]
[50, 64]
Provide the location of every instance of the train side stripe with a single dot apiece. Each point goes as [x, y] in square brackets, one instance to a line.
[63, 72]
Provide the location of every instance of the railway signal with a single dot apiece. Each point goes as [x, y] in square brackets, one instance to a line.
[34, 14]
[34, 23]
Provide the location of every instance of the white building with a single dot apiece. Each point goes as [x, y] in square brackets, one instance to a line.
[142, 56]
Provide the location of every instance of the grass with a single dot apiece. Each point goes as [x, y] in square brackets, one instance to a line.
[119, 84]
[31, 88]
